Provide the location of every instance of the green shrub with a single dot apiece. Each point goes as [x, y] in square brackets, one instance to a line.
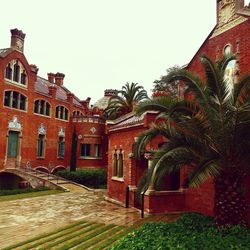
[94, 178]
[191, 231]
[21, 191]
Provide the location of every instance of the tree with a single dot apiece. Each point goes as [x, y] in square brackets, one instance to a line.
[73, 151]
[210, 132]
[125, 100]
[163, 87]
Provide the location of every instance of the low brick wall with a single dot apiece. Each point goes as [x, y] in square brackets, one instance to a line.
[164, 201]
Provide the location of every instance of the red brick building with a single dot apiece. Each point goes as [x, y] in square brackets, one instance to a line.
[230, 35]
[38, 117]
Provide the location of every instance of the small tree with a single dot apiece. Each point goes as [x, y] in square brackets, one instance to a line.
[73, 151]
[163, 88]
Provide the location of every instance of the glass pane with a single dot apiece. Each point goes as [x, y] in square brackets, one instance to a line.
[57, 112]
[36, 106]
[15, 100]
[22, 102]
[7, 98]
[42, 107]
[47, 109]
[62, 112]
[16, 72]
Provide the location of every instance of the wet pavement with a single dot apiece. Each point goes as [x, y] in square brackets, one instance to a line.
[27, 218]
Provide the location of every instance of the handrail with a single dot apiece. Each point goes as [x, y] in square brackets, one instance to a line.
[28, 167]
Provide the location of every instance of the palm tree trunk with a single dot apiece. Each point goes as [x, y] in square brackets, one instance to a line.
[230, 203]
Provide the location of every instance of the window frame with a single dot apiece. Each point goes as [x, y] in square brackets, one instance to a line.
[85, 150]
[62, 113]
[21, 100]
[37, 106]
[61, 147]
[16, 73]
[41, 147]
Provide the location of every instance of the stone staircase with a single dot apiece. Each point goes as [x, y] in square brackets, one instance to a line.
[83, 235]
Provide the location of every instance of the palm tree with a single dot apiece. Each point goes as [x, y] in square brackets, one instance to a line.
[210, 132]
[125, 100]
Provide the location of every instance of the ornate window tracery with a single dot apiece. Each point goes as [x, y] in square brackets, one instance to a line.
[16, 73]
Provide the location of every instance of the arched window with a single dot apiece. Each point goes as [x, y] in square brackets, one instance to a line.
[16, 72]
[40, 145]
[115, 163]
[8, 72]
[42, 107]
[61, 147]
[228, 50]
[118, 163]
[23, 78]
[15, 100]
[77, 113]
[62, 113]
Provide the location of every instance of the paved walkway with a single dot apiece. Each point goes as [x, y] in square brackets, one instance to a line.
[26, 218]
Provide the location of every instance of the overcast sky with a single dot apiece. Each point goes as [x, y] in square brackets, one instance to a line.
[101, 44]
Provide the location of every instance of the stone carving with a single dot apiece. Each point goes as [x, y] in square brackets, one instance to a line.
[15, 124]
[228, 16]
[220, 29]
[93, 130]
[61, 132]
[42, 130]
[227, 9]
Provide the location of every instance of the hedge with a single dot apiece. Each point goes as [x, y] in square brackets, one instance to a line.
[191, 231]
[21, 191]
[93, 178]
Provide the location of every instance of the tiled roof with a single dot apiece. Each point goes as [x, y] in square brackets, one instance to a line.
[131, 121]
[61, 94]
[3, 52]
[102, 103]
[42, 85]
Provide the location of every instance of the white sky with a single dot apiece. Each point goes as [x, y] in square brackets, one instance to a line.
[101, 44]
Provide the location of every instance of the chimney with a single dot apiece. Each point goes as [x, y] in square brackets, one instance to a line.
[34, 68]
[70, 97]
[110, 92]
[52, 90]
[17, 39]
[59, 78]
[85, 103]
[51, 77]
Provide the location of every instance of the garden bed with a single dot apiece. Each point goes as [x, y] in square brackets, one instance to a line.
[191, 231]
[92, 178]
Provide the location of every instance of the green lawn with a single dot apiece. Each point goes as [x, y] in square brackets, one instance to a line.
[28, 195]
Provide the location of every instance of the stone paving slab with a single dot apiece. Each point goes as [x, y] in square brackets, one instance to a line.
[27, 218]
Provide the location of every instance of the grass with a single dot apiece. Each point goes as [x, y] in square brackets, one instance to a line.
[28, 195]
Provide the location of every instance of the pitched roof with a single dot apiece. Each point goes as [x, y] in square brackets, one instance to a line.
[4, 52]
[102, 103]
[42, 86]
[129, 121]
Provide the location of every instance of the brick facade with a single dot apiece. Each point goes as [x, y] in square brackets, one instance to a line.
[65, 113]
[232, 32]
